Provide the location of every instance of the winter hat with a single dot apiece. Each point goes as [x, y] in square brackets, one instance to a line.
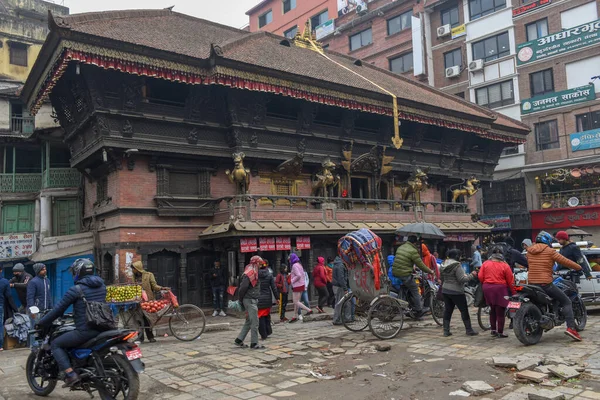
[527, 242]
[38, 267]
[19, 268]
[321, 260]
[561, 235]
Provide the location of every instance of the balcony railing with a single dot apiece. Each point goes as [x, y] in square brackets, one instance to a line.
[586, 197]
[27, 183]
[61, 178]
[22, 124]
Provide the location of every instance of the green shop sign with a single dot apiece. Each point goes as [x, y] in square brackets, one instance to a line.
[558, 99]
[559, 43]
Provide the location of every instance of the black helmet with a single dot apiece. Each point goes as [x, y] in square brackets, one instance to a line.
[81, 267]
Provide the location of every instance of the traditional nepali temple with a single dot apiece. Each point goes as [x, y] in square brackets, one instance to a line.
[200, 142]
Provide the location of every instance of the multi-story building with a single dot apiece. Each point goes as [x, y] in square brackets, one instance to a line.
[195, 149]
[40, 197]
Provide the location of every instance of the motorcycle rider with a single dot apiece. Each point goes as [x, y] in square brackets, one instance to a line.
[541, 257]
[93, 289]
[571, 251]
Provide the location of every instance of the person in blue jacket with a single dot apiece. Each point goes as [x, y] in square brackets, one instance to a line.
[6, 304]
[93, 289]
[38, 289]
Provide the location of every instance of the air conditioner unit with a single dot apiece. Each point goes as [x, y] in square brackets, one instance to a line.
[444, 30]
[476, 65]
[452, 72]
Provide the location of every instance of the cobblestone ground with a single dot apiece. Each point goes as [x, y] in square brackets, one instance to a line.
[421, 364]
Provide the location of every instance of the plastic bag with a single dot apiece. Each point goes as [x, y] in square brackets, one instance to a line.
[235, 306]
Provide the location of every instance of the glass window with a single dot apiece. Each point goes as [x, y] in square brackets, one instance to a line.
[541, 82]
[265, 19]
[453, 58]
[319, 19]
[401, 64]
[399, 23]
[588, 121]
[361, 39]
[18, 54]
[507, 151]
[546, 135]
[288, 5]
[491, 48]
[450, 16]
[537, 29]
[291, 33]
[497, 95]
[479, 8]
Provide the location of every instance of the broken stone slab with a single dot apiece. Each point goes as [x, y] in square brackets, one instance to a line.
[382, 364]
[532, 376]
[337, 350]
[477, 388]
[548, 383]
[460, 393]
[553, 360]
[564, 371]
[542, 368]
[363, 367]
[545, 394]
[523, 365]
[505, 362]
[382, 346]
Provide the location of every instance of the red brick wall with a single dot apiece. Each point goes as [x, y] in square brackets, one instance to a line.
[304, 10]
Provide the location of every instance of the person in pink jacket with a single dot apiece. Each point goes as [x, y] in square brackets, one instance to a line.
[298, 286]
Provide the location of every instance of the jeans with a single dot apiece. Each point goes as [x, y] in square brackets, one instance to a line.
[251, 324]
[323, 296]
[69, 340]
[218, 302]
[283, 300]
[497, 318]
[2, 321]
[331, 301]
[337, 311]
[415, 298]
[304, 300]
[565, 303]
[459, 301]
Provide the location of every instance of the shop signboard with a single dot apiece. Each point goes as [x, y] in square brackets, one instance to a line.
[267, 243]
[585, 140]
[559, 43]
[564, 98]
[346, 6]
[565, 217]
[466, 237]
[16, 245]
[530, 7]
[248, 245]
[325, 29]
[283, 243]
[497, 222]
[459, 31]
[303, 242]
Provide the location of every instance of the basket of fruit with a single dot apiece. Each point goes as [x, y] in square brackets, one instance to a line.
[123, 293]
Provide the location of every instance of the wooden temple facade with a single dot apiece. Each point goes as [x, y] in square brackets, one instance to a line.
[201, 142]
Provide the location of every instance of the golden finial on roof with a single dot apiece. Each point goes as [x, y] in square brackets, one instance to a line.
[307, 39]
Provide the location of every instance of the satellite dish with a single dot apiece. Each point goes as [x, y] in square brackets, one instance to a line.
[573, 202]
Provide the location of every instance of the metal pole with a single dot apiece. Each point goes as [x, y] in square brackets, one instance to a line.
[14, 168]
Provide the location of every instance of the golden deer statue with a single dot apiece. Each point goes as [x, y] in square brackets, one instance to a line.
[240, 176]
[469, 189]
[325, 181]
[414, 185]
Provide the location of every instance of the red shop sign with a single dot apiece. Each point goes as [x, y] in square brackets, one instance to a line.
[283, 243]
[303, 242]
[529, 7]
[566, 217]
[267, 243]
[248, 245]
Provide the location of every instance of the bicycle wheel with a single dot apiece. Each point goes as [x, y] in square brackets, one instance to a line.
[483, 318]
[386, 317]
[359, 319]
[187, 322]
[437, 308]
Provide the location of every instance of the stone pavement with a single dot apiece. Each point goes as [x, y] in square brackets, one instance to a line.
[213, 368]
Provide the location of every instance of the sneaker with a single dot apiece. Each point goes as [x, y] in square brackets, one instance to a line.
[71, 379]
[293, 320]
[300, 317]
[215, 313]
[494, 333]
[222, 314]
[282, 320]
[309, 313]
[320, 310]
[573, 333]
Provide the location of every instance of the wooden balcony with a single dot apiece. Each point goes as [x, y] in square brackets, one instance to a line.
[30, 183]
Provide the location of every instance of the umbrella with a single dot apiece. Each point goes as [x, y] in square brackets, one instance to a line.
[425, 230]
[575, 231]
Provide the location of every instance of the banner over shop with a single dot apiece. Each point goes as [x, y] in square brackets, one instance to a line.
[18, 245]
[558, 99]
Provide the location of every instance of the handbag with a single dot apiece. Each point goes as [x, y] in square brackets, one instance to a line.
[479, 298]
[98, 316]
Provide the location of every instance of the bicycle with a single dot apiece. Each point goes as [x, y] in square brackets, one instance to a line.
[428, 297]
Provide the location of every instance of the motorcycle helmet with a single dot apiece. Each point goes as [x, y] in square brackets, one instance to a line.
[544, 237]
[80, 268]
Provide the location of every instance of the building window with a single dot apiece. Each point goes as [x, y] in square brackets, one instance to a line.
[399, 23]
[541, 82]
[401, 64]
[18, 218]
[510, 150]
[546, 135]
[319, 19]
[18, 54]
[588, 121]
[360, 188]
[537, 29]
[102, 190]
[479, 8]
[66, 217]
[284, 187]
[265, 19]
[450, 17]
[491, 48]
[453, 58]
[461, 95]
[189, 183]
[165, 93]
[497, 95]
[288, 5]
[361, 39]
[291, 33]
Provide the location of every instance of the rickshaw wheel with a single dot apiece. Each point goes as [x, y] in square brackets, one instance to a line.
[386, 317]
[359, 319]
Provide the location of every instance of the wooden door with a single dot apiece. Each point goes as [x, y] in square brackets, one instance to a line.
[65, 217]
[165, 267]
[199, 265]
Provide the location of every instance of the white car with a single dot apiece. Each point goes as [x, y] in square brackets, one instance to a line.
[590, 290]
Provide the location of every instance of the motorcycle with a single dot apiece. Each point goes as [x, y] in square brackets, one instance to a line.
[534, 312]
[108, 364]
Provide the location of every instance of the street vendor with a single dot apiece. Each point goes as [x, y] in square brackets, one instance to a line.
[149, 286]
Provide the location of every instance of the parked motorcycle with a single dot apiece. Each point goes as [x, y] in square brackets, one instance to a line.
[108, 364]
[534, 312]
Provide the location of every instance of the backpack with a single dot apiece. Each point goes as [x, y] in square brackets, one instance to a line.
[98, 316]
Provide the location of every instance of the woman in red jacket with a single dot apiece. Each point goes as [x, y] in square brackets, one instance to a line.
[320, 282]
[498, 281]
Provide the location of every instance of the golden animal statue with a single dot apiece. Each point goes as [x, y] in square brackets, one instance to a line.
[240, 176]
[414, 185]
[326, 181]
[469, 189]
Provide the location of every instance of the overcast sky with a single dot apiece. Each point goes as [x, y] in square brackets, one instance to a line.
[229, 12]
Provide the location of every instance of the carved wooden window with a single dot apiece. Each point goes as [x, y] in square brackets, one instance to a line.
[360, 188]
[182, 182]
[158, 91]
[284, 188]
[102, 190]
[18, 54]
